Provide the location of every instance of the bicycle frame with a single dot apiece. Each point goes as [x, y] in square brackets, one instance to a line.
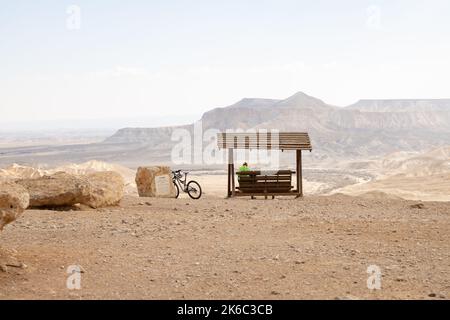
[181, 183]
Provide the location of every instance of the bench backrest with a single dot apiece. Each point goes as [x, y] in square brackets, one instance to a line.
[260, 182]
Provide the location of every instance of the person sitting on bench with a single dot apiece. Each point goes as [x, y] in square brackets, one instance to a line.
[244, 167]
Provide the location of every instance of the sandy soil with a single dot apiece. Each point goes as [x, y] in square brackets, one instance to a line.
[316, 247]
[429, 188]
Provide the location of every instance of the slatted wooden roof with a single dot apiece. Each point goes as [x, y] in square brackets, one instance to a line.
[264, 140]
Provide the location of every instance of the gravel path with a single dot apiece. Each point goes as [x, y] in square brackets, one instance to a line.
[311, 248]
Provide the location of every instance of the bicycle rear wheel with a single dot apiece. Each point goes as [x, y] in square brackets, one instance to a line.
[194, 190]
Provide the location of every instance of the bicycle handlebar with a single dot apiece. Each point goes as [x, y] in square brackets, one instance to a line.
[179, 171]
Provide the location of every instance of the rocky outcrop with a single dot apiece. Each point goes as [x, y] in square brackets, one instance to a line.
[59, 189]
[107, 189]
[17, 172]
[14, 199]
[155, 182]
[99, 189]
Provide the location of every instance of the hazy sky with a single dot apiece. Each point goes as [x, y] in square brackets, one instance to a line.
[93, 59]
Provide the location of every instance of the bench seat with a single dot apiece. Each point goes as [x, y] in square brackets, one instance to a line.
[257, 182]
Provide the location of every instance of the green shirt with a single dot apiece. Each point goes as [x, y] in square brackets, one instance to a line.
[244, 168]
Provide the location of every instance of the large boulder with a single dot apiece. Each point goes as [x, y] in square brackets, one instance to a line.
[107, 189]
[59, 189]
[155, 182]
[14, 199]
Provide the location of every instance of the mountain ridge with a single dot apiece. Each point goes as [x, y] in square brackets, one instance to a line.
[400, 105]
[366, 128]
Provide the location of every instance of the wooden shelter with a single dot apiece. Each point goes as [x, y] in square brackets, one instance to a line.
[258, 183]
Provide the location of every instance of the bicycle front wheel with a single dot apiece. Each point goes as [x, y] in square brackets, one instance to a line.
[194, 190]
[177, 190]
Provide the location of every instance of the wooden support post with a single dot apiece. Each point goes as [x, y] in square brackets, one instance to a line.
[233, 186]
[229, 182]
[299, 174]
[231, 170]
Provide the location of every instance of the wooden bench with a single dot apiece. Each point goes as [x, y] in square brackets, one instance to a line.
[257, 183]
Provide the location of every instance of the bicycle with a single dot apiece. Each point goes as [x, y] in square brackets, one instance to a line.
[192, 188]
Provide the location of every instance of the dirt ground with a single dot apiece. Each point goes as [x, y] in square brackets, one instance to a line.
[310, 248]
